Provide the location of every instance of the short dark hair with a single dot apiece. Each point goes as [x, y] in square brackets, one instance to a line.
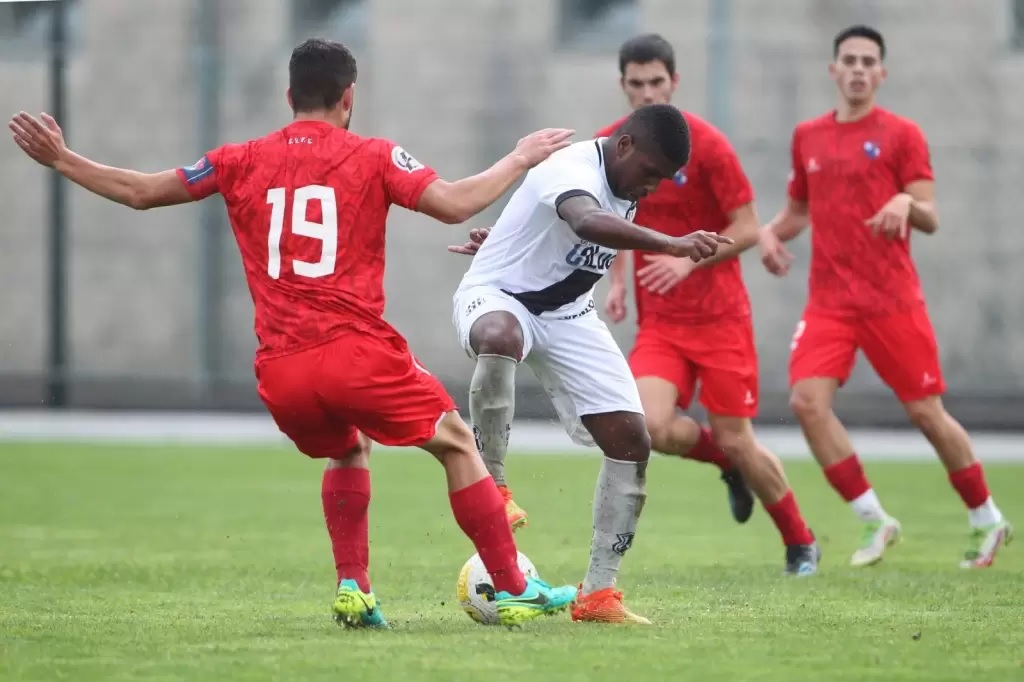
[660, 128]
[649, 47]
[319, 72]
[859, 31]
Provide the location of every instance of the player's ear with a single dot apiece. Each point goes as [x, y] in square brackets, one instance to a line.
[675, 81]
[832, 69]
[288, 96]
[348, 97]
[624, 145]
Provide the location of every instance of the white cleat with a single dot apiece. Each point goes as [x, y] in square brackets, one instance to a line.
[985, 544]
[877, 537]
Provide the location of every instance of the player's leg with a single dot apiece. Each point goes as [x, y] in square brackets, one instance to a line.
[729, 391]
[823, 351]
[479, 509]
[287, 386]
[491, 332]
[666, 380]
[596, 398]
[903, 350]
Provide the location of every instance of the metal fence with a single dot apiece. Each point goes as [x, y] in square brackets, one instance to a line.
[106, 307]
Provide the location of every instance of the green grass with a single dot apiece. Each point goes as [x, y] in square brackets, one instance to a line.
[125, 563]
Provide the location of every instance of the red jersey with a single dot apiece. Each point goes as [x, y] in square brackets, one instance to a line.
[846, 172]
[700, 197]
[308, 206]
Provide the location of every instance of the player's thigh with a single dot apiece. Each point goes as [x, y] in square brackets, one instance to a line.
[475, 308]
[287, 387]
[376, 384]
[584, 372]
[726, 359]
[663, 375]
[904, 352]
[822, 347]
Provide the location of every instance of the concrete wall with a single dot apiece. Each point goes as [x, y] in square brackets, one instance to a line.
[457, 83]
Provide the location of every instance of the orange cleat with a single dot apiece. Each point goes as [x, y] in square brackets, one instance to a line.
[516, 516]
[604, 606]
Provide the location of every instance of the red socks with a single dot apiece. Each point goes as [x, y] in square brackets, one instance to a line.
[346, 498]
[480, 511]
[786, 515]
[705, 450]
[848, 479]
[970, 483]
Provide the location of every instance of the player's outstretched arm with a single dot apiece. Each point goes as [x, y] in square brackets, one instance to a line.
[457, 202]
[43, 141]
[591, 222]
[744, 225]
[787, 225]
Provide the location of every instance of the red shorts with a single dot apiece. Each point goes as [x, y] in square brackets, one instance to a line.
[721, 356]
[901, 347]
[322, 397]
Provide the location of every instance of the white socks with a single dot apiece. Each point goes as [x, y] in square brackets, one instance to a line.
[618, 501]
[868, 507]
[492, 402]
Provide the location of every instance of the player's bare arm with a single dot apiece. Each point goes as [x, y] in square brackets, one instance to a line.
[914, 207]
[786, 226]
[43, 141]
[591, 222]
[662, 272]
[457, 202]
[615, 301]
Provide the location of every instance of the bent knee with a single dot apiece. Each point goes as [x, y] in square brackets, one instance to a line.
[809, 404]
[928, 414]
[497, 333]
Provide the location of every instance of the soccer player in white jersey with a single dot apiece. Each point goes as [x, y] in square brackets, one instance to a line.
[528, 297]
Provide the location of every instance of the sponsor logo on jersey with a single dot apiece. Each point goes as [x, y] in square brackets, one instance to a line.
[591, 257]
[197, 171]
[405, 161]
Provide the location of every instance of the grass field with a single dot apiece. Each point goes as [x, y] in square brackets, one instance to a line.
[121, 563]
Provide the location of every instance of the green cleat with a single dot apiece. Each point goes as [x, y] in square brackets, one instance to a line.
[354, 608]
[539, 599]
[985, 544]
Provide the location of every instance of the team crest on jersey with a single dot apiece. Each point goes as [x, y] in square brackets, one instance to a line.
[405, 161]
[679, 178]
[872, 150]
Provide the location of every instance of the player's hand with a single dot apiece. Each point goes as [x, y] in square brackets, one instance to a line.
[615, 303]
[476, 237]
[774, 256]
[538, 146]
[41, 140]
[697, 245]
[894, 219]
[664, 272]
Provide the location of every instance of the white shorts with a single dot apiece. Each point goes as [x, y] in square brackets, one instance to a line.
[576, 359]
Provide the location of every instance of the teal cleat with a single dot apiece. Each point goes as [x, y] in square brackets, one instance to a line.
[354, 608]
[539, 599]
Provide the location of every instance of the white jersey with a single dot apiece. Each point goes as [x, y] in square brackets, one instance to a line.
[533, 255]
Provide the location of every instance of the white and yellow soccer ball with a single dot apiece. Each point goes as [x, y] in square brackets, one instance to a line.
[475, 591]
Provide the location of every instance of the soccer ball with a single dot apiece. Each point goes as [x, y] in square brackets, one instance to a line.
[475, 591]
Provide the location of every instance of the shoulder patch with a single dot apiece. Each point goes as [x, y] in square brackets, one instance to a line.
[197, 171]
[403, 160]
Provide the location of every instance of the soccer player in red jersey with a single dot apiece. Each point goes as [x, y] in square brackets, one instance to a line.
[863, 177]
[308, 205]
[695, 323]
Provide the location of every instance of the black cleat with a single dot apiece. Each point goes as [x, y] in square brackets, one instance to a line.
[802, 560]
[741, 500]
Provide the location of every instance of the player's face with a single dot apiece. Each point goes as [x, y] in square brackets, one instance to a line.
[648, 83]
[637, 173]
[858, 70]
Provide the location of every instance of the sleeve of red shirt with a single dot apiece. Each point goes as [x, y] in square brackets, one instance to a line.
[913, 160]
[201, 178]
[728, 182]
[405, 178]
[797, 187]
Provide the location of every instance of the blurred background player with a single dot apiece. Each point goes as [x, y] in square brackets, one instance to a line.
[528, 297]
[862, 176]
[694, 319]
[308, 206]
